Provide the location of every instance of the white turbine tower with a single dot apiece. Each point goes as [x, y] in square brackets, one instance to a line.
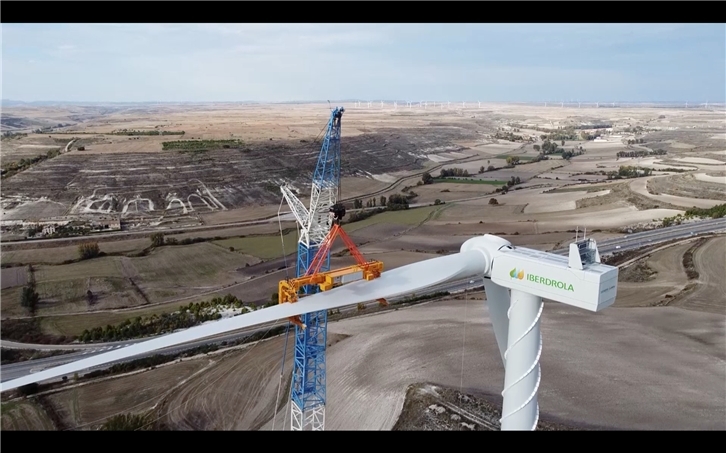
[381, 104]
[479, 104]
[448, 105]
[515, 280]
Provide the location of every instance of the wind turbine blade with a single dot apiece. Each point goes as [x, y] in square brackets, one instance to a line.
[498, 303]
[400, 281]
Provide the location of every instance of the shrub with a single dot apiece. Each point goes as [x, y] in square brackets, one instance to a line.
[88, 250]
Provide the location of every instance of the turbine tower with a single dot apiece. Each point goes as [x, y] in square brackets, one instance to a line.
[309, 374]
[515, 280]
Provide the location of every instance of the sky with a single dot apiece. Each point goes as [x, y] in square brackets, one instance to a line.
[310, 62]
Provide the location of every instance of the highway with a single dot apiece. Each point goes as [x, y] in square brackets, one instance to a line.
[646, 238]
[627, 242]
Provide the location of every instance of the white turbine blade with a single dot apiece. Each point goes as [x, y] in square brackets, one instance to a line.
[498, 303]
[396, 282]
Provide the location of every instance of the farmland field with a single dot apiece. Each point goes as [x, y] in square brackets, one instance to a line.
[88, 406]
[25, 416]
[263, 247]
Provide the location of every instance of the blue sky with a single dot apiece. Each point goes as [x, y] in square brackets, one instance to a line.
[286, 62]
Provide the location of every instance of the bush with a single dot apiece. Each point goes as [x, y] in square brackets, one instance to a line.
[29, 298]
[88, 250]
[157, 239]
[126, 422]
[493, 201]
[29, 389]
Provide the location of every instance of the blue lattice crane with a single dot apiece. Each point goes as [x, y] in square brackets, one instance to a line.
[308, 375]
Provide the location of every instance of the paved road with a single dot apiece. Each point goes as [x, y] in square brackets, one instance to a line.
[627, 242]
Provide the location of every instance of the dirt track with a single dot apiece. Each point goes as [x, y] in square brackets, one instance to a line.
[710, 262]
[237, 393]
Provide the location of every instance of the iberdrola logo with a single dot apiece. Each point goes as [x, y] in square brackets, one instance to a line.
[514, 274]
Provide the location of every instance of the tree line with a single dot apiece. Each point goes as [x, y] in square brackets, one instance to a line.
[641, 153]
[12, 168]
[187, 316]
[200, 145]
[134, 132]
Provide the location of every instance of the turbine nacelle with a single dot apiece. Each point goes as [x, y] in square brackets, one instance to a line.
[579, 280]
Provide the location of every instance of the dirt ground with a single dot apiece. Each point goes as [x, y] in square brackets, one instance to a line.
[687, 186]
[669, 278]
[708, 295]
[216, 401]
[87, 406]
[429, 407]
[640, 186]
[14, 276]
[24, 416]
[592, 383]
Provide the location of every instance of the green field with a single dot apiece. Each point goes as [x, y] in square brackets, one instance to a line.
[469, 181]
[108, 266]
[200, 264]
[11, 302]
[167, 272]
[412, 216]
[264, 247]
[76, 324]
[270, 246]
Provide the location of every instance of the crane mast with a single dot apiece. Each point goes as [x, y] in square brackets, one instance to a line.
[307, 392]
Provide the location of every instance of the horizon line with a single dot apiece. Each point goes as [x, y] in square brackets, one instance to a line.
[554, 102]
